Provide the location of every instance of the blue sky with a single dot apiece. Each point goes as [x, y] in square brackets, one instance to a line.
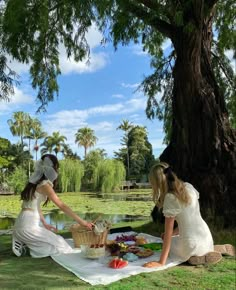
[99, 95]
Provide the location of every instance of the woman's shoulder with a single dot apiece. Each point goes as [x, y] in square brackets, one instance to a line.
[191, 189]
[170, 198]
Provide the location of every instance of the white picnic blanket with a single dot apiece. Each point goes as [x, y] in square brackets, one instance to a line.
[96, 271]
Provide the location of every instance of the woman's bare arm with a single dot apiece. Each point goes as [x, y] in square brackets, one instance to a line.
[169, 225]
[48, 190]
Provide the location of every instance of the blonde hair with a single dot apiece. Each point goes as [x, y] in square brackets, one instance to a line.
[163, 181]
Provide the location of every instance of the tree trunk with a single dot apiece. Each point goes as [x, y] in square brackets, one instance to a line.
[202, 149]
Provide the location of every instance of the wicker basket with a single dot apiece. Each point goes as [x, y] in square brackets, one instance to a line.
[82, 235]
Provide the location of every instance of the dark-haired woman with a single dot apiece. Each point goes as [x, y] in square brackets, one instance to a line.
[31, 229]
[192, 240]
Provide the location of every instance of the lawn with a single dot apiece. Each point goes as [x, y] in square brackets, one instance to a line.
[28, 273]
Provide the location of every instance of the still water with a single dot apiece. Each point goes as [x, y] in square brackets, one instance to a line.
[61, 221]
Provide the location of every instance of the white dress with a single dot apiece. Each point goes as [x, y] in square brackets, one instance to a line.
[39, 240]
[194, 237]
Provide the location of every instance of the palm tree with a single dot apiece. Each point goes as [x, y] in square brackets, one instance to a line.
[53, 143]
[36, 134]
[19, 124]
[126, 126]
[68, 153]
[85, 137]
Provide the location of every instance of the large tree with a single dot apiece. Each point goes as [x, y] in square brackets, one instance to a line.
[202, 144]
[140, 153]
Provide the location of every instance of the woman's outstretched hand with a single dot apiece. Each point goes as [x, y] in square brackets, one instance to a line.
[50, 228]
[87, 224]
[153, 264]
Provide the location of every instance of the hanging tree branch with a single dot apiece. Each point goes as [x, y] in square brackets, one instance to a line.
[142, 12]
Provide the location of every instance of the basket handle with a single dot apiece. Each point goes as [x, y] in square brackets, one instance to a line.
[96, 219]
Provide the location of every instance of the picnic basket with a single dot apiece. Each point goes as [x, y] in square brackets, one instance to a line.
[83, 236]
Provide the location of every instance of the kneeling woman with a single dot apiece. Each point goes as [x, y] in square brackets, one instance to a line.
[191, 240]
[41, 240]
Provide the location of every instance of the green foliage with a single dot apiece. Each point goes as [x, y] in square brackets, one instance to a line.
[108, 175]
[226, 79]
[225, 24]
[8, 78]
[90, 163]
[141, 157]
[12, 156]
[17, 180]
[70, 175]
[139, 151]
[4, 157]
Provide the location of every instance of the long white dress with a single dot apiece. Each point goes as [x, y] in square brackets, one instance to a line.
[194, 237]
[39, 240]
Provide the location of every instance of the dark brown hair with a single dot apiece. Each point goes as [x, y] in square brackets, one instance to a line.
[28, 192]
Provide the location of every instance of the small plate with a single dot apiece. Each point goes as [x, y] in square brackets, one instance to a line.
[129, 243]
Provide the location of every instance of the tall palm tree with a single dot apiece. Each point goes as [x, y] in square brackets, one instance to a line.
[126, 126]
[55, 142]
[19, 124]
[37, 133]
[85, 137]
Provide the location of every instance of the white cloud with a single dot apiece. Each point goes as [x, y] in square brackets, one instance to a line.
[21, 98]
[69, 121]
[96, 61]
[103, 126]
[132, 86]
[18, 67]
[18, 99]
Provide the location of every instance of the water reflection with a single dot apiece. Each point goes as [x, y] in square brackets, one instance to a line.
[61, 221]
[121, 197]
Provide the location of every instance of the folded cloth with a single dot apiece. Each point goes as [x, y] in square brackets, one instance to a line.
[100, 227]
[97, 271]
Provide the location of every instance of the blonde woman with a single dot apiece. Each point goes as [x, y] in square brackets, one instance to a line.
[192, 240]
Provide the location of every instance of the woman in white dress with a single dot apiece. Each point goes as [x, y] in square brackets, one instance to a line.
[192, 240]
[31, 229]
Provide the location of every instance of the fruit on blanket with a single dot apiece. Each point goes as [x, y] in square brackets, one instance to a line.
[118, 263]
[114, 249]
[140, 241]
[96, 246]
[125, 238]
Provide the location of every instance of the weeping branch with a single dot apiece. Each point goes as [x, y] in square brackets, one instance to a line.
[142, 13]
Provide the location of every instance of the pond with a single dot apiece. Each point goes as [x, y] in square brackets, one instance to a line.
[61, 221]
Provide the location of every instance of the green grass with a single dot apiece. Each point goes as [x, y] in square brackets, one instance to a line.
[28, 273]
